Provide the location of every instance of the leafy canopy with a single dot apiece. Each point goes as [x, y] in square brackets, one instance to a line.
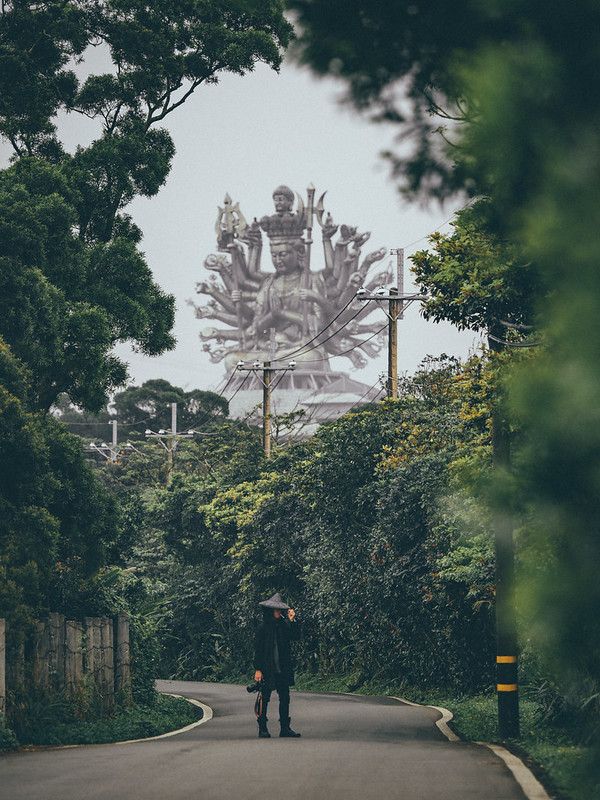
[72, 278]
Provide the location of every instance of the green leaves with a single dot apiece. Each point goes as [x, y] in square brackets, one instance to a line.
[53, 511]
[66, 302]
[351, 527]
[74, 283]
[36, 42]
[476, 279]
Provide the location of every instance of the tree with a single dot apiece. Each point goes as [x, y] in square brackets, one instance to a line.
[527, 77]
[387, 584]
[161, 54]
[55, 516]
[398, 63]
[73, 281]
[63, 304]
[476, 280]
[149, 405]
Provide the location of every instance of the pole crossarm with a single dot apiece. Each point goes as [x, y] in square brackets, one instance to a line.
[267, 372]
[263, 368]
[162, 434]
[397, 301]
[403, 298]
[169, 439]
[110, 452]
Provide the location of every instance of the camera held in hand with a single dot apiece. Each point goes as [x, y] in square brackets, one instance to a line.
[254, 687]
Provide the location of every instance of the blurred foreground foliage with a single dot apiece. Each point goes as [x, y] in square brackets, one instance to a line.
[500, 101]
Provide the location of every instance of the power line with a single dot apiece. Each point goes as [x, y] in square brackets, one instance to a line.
[335, 333]
[207, 413]
[513, 344]
[370, 389]
[316, 336]
[427, 235]
[240, 387]
[345, 352]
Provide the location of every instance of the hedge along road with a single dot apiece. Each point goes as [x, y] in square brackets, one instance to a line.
[352, 747]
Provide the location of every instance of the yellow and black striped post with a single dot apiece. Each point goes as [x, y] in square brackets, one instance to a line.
[506, 629]
[506, 612]
[508, 696]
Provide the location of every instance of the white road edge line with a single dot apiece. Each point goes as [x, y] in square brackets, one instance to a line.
[530, 785]
[441, 723]
[207, 715]
[532, 788]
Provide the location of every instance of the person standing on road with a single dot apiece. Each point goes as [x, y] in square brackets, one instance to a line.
[273, 661]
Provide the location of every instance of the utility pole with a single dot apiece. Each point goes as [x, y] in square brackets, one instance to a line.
[110, 452]
[114, 451]
[169, 440]
[267, 372]
[392, 380]
[397, 301]
[267, 409]
[506, 617]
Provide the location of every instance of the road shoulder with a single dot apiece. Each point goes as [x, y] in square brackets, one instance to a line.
[530, 785]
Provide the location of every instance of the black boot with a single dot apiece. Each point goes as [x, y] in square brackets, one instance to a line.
[286, 731]
[263, 732]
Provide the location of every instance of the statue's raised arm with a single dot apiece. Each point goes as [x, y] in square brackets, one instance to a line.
[273, 312]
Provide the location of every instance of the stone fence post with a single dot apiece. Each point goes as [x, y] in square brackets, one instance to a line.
[73, 655]
[123, 658]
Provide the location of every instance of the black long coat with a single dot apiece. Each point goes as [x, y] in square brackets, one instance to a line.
[264, 648]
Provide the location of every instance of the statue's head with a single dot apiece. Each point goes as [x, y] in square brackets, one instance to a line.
[283, 197]
[287, 255]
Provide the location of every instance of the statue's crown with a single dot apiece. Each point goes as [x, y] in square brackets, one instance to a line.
[285, 225]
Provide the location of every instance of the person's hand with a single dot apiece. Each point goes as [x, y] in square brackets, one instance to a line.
[291, 614]
[258, 676]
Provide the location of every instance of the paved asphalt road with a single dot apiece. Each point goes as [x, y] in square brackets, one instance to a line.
[351, 748]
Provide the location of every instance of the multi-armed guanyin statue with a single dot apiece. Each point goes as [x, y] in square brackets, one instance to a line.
[271, 315]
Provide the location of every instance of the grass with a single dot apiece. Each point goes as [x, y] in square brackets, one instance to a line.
[49, 728]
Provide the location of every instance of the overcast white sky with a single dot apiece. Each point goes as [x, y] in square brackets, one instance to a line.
[245, 136]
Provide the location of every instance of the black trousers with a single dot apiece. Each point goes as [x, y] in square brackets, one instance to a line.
[283, 690]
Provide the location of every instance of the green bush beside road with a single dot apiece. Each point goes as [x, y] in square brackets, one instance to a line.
[55, 724]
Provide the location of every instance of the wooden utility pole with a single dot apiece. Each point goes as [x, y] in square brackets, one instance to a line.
[169, 440]
[267, 372]
[396, 300]
[267, 409]
[392, 379]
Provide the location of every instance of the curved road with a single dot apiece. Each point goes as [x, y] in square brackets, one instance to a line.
[352, 748]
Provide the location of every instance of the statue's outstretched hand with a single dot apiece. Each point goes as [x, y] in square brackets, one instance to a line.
[377, 255]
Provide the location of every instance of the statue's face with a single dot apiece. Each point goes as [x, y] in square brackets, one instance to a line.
[282, 203]
[286, 259]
